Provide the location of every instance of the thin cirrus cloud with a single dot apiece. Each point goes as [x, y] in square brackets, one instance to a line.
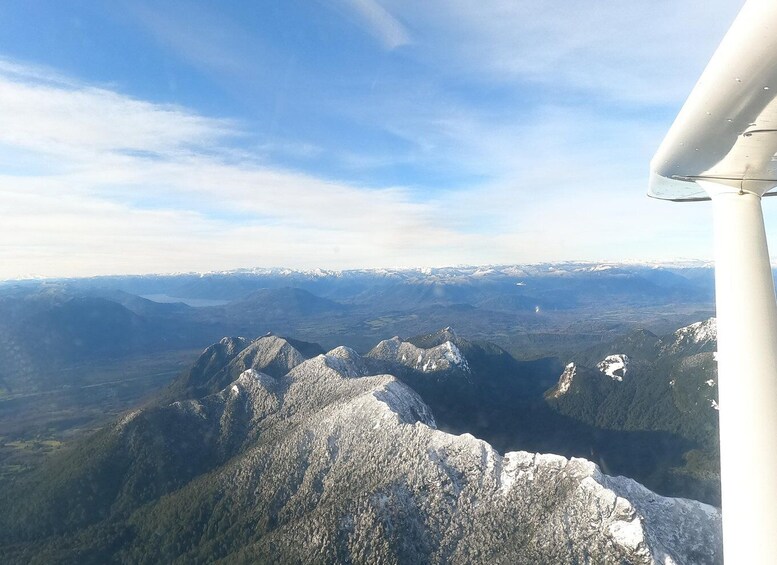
[635, 52]
[381, 24]
[202, 37]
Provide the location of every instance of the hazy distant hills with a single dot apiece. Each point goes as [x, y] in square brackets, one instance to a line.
[553, 286]
[41, 332]
[314, 460]
[282, 302]
[531, 311]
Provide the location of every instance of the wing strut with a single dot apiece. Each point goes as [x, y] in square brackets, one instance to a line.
[747, 378]
[723, 147]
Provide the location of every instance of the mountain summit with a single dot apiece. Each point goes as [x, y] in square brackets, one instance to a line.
[324, 464]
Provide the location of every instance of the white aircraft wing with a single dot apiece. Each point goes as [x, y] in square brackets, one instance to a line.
[727, 130]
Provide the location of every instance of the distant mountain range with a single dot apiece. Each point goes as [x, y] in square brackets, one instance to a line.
[273, 453]
[531, 311]
[551, 285]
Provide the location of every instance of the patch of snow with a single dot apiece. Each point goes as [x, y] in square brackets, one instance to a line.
[482, 272]
[660, 520]
[127, 419]
[346, 362]
[628, 534]
[389, 347]
[439, 358]
[453, 354]
[516, 464]
[565, 380]
[550, 461]
[614, 366]
[714, 404]
[710, 382]
[514, 271]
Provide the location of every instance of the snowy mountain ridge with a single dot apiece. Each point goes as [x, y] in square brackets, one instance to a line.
[444, 481]
[325, 463]
[699, 334]
[530, 269]
[439, 358]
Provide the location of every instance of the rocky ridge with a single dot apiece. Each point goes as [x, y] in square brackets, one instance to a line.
[327, 464]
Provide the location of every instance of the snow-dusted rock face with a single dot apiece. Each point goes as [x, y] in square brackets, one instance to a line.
[269, 354]
[614, 366]
[701, 336]
[232, 345]
[668, 523]
[439, 358]
[564, 381]
[223, 362]
[346, 468]
[325, 465]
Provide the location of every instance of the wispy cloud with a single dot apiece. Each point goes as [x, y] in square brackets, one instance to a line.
[117, 185]
[114, 155]
[66, 119]
[202, 37]
[624, 51]
[379, 23]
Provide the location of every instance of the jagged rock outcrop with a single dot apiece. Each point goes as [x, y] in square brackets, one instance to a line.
[696, 338]
[325, 465]
[443, 357]
[223, 362]
[461, 381]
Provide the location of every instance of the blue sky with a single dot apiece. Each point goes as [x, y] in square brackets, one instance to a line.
[173, 136]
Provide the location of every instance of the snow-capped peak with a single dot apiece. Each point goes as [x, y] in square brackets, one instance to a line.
[439, 358]
[696, 335]
[346, 361]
